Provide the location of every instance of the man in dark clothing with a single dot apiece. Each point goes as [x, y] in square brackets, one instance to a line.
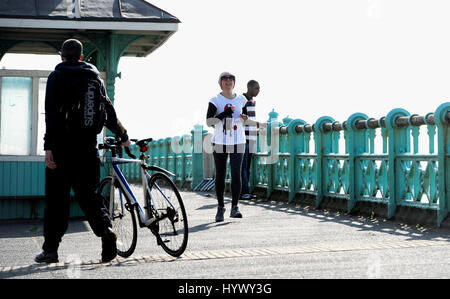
[72, 158]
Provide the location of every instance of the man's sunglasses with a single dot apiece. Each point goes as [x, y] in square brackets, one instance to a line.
[224, 78]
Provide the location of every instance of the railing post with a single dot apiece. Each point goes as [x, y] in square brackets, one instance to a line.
[252, 178]
[398, 143]
[323, 146]
[253, 166]
[296, 145]
[176, 149]
[197, 155]
[357, 144]
[444, 167]
[134, 169]
[208, 159]
[160, 147]
[186, 150]
[171, 165]
[166, 151]
[154, 153]
[272, 132]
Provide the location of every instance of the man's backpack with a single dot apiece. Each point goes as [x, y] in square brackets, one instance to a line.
[84, 108]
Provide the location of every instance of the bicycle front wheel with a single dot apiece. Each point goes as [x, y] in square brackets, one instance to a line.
[122, 216]
[165, 203]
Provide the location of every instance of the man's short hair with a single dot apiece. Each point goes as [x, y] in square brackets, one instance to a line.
[252, 83]
[72, 49]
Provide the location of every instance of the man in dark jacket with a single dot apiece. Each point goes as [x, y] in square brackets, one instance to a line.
[72, 158]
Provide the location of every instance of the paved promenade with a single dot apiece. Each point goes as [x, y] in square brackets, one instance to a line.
[273, 240]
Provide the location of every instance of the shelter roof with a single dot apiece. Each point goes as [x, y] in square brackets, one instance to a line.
[33, 21]
[86, 10]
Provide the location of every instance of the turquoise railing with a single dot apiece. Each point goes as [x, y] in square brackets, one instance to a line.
[401, 159]
[344, 163]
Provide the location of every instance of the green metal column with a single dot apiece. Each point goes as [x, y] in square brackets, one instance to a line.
[444, 166]
[112, 63]
[323, 144]
[197, 155]
[153, 160]
[357, 144]
[296, 145]
[273, 149]
[186, 159]
[398, 143]
[161, 153]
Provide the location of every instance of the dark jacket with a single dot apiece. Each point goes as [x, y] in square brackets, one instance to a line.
[58, 87]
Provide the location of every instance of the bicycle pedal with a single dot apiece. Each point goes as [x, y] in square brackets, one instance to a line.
[159, 243]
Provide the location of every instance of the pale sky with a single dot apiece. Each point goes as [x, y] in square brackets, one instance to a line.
[312, 58]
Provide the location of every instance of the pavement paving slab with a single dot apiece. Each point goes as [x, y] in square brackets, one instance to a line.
[272, 240]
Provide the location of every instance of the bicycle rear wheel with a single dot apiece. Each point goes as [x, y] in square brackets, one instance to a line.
[171, 228]
[122, 217]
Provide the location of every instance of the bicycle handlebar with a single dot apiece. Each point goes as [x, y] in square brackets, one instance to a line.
[115, 143]
[128, 152]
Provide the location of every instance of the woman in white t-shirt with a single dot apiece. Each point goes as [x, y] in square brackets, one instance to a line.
[227, 113]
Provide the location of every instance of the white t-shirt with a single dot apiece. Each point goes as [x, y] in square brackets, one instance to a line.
[234, 132]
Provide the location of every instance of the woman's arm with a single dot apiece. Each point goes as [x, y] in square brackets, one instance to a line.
[212, 119]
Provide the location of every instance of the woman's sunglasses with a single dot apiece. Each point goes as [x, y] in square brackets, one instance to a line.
[224, 78]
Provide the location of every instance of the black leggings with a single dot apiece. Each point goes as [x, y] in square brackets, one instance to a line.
[220, 159]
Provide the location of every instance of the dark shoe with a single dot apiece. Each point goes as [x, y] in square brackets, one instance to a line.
[235, 212]
[246, 197]
[219, 215]
[47, 257]
[109, 247]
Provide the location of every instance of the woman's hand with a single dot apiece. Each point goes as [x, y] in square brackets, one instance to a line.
[244, 117]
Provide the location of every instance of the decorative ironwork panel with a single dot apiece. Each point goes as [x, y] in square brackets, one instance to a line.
[337, 175]
[306, 174]
[262, 176]
[372, 174]
[418, 181]
[281, 172]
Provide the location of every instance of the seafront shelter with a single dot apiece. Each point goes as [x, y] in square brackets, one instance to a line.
[108, 29]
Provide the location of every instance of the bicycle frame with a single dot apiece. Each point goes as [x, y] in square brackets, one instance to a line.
[144, 217]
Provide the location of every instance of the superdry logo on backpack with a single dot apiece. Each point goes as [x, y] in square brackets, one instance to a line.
[89, 105]
[85, 107]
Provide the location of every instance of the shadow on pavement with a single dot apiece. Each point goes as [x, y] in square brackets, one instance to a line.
[72, 270]
[363, 223]
[206, 226]
[34, 228]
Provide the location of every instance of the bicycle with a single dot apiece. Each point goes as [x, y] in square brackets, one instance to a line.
[163, 212]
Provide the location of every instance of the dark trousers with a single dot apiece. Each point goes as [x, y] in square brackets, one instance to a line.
[246, 164]
[221, 154]
[82, 173]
